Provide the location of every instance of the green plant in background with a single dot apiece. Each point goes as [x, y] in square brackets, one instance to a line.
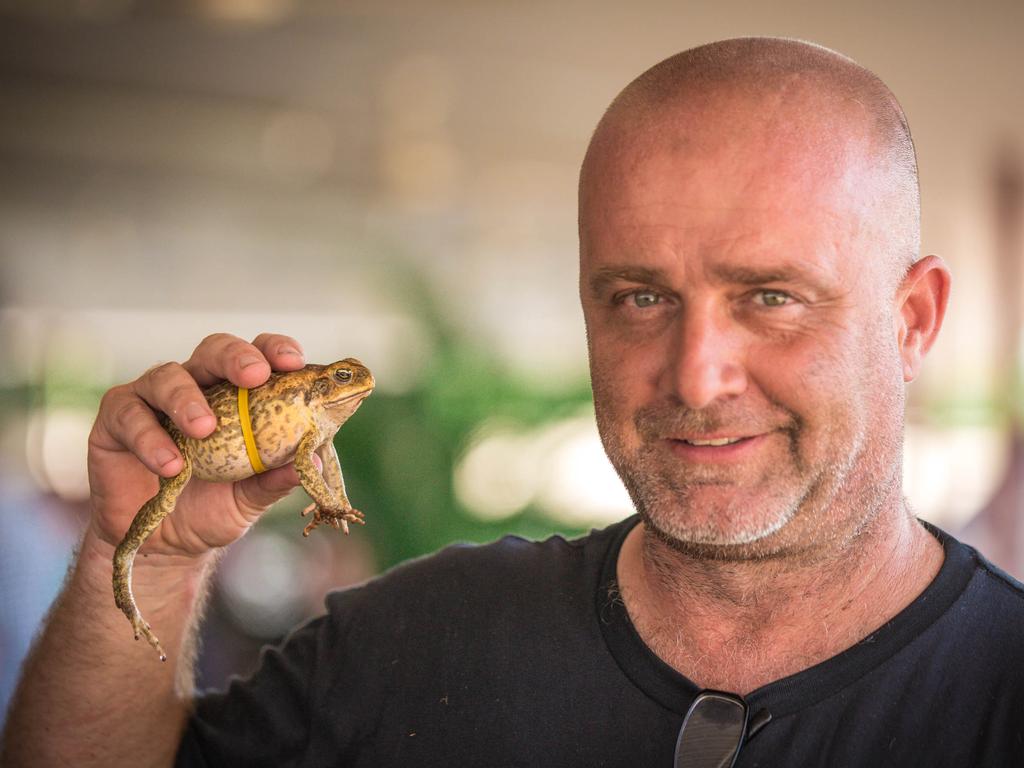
[399, 451]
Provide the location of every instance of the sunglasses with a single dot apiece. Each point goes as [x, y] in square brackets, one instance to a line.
[712, 732]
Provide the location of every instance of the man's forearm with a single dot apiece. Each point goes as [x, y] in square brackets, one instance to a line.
[90, 694]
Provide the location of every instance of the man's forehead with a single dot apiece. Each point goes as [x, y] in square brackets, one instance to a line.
[750, 155]
[758, 205]
[749, 207]
[771, 251]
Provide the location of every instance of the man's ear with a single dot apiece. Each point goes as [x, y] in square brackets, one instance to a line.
[920, 306]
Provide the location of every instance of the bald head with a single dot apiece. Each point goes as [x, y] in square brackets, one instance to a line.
[805, 96]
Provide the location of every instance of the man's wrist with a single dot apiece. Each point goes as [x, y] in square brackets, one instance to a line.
[161, 574]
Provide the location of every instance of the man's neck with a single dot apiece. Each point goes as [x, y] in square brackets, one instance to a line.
[738, 625]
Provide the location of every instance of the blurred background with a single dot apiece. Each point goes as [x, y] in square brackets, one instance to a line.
[395, 181]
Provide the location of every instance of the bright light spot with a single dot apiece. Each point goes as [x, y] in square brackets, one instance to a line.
[421, 172]
[262, 581]
[560, 467]
[56, 451]
[246, 11]
[950, 474]
[580, 486]
[497, 476]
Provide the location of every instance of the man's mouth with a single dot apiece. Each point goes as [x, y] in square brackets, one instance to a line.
[717, 448]
[714, 442]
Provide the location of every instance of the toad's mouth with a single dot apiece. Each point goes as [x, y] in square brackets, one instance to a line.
[360, 394]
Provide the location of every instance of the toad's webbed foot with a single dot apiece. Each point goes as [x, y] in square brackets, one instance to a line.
[339, 518]
[141, 627]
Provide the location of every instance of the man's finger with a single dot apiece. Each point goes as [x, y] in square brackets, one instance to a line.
[126, 422]
[283, 352]
[170, 388]
[221, 357]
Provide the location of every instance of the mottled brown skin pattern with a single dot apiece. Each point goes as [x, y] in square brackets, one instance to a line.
[293, 415]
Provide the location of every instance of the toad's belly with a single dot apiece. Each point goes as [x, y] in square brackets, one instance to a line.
[219, 460]
[222, 457]
[277, 427]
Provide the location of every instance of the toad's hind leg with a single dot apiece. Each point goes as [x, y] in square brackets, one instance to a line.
[146, 521]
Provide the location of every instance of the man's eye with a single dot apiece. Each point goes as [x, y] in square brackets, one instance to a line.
[773, 298]
[645, 298]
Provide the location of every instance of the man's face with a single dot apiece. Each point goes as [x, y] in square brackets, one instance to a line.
[739, 317]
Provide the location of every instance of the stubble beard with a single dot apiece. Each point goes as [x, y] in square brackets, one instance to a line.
[707, 510]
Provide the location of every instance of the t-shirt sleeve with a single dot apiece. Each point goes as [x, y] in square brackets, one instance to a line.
[263, 719]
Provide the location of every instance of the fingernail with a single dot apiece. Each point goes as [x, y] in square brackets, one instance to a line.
[319, 462]
[195, 411]
[165, 456]
[248, 360]
[287, 350]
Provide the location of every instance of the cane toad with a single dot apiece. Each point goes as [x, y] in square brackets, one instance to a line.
[291, 416]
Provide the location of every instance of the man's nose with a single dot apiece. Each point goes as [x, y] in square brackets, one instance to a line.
[706, 360]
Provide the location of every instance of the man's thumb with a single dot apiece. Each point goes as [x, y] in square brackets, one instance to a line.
[258, 492]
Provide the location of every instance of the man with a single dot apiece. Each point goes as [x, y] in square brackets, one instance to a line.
[755, 305]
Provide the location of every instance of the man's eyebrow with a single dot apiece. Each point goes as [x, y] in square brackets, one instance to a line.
[727, 273]
[744, 275]
[606, 276]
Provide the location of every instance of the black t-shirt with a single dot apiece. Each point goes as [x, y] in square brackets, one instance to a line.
[517, 653]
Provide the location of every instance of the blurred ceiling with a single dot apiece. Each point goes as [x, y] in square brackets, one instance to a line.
[239, 154]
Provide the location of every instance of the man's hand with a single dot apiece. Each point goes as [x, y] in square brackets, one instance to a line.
[127, 446]
[90, 694]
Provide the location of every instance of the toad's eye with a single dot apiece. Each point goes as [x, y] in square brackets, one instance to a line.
[344, 375]
[645, 298]
[773, 298]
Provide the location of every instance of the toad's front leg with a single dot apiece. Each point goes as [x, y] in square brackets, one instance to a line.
[330, 504]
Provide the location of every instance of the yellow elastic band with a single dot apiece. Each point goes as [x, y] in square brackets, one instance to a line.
[250, 441]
